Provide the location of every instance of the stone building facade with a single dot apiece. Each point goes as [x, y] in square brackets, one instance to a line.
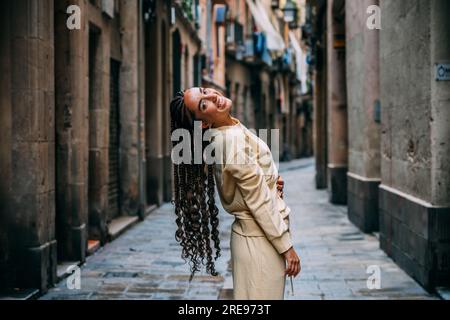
[27, 156]
[415, 153]
[84, 120]
[72, 152]
[87, 145]
[381, 117]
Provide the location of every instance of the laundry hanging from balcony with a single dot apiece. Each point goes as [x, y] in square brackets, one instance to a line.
[274, 40]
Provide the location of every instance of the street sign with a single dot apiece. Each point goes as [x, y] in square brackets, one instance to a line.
[443, 71]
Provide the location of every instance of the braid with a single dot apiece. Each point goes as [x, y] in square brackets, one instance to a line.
[206, 242]
[214, 212]
[196, 213]
[179, 234]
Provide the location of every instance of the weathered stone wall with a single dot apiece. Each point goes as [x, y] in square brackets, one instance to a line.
[362, 55]
[28, 141]
[129, 107]
[405, 96]
[55, 107]
[440, 106]
[158, 91]
[337, 103]
[71, 112]
[414, 196]
[5, 134]
[320, 115]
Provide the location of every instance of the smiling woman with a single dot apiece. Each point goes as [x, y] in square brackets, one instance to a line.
[209, 106]
[247, 184]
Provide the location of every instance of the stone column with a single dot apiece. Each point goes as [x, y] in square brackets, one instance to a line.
[6, 269]
[336, 102]
[27, 160]
[320, 119]
[98, 164]
[166, 96]
[71, 96]
[129, 100]
[363, 123]
[153, 112]
[141, 116]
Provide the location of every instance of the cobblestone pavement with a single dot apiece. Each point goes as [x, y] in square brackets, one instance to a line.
[145, 262]
[335, 254]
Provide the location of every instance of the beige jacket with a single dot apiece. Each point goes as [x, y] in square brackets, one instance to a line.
[246, 177]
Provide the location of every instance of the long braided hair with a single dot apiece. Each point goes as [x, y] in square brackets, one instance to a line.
[194, 202]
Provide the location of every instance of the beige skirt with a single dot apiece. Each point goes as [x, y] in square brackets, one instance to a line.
[258, 269]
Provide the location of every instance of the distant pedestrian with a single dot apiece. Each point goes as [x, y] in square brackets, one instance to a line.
[252, 191]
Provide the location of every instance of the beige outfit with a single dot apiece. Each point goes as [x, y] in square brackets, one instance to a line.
[246, 180]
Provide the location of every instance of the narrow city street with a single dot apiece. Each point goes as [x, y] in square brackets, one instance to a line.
[95, 97]
[145, 262]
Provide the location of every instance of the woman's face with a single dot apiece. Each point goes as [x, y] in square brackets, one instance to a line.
[207, 104]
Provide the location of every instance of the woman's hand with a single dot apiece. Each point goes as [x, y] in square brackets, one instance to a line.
[293, 262]
[280, 186]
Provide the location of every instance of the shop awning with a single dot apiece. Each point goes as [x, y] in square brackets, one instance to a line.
[275, 41]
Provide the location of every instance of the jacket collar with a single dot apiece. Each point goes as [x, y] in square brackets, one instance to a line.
[219, 130]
